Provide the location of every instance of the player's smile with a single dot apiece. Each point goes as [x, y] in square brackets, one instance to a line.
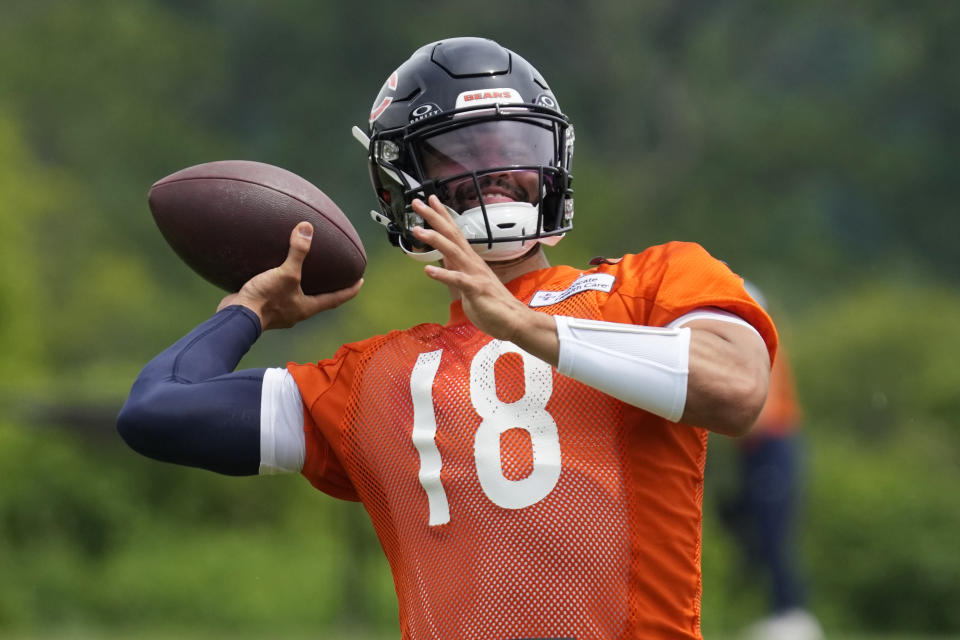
[500, 188]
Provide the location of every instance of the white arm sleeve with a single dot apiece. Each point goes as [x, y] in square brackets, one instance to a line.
[282, 443]
[709, 313]
[646, 367]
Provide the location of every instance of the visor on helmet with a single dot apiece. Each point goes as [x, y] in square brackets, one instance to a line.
[486, 145]
[487, 162]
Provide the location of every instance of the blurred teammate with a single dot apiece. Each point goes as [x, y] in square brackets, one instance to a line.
[534, 467]
[763, 514]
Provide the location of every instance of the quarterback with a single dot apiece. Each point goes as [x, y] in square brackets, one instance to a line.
[534, 467]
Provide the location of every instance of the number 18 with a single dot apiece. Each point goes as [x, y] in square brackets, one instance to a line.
[528, 413]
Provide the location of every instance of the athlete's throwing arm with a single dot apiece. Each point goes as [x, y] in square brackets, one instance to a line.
[709, 368]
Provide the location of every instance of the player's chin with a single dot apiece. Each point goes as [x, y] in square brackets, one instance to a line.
[508, 262]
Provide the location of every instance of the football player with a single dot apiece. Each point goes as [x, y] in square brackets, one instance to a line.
[534, 467]
[763, 512]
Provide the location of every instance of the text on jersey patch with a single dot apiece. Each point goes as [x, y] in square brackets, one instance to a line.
[589, 282]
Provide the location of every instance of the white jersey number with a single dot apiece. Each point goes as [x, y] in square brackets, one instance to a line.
[528, 413]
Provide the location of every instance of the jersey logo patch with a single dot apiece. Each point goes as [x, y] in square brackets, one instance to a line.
[590, 282]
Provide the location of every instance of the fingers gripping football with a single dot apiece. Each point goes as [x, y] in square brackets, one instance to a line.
[276, 296]
[230, 220]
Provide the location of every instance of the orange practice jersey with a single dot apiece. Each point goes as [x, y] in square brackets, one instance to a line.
[513, 502]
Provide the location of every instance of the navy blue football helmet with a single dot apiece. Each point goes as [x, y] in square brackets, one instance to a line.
[477, 125]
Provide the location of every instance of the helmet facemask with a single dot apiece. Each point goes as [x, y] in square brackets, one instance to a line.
[477, 125]
[503, 174]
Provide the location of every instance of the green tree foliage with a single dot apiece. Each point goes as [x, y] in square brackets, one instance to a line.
[96, 536]
[26, 193]
[886, 402]
[809, 144]
[879, 517]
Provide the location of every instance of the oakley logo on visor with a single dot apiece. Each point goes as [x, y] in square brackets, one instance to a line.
[488, 96]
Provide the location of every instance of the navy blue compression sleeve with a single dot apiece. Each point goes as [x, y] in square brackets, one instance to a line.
[188, 405]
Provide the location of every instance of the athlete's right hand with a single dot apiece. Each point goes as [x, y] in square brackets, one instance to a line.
[275, 295]
[486, 300]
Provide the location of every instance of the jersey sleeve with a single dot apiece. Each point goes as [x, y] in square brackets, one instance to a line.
[667, 281]
[326, 389]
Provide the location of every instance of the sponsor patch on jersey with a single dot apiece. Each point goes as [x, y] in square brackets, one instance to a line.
[589, 282]
[488, 96]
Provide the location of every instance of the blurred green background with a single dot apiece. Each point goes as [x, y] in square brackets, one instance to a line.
[812, 145]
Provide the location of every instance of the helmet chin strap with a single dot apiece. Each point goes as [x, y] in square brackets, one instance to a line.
[506, 219]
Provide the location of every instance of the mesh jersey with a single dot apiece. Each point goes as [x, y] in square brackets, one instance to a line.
[513, 502]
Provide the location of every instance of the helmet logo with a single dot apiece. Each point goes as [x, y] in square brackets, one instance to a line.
[547, 101]
[380, 108]
[424, 111]
[488, 96]
[391, 85]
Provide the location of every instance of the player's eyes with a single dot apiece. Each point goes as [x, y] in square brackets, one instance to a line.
[439, 165]
[485, 146]
[516, 155]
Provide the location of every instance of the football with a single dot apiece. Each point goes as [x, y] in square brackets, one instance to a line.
[230, 220]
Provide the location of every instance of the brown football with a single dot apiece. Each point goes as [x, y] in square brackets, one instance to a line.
[230, 220]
